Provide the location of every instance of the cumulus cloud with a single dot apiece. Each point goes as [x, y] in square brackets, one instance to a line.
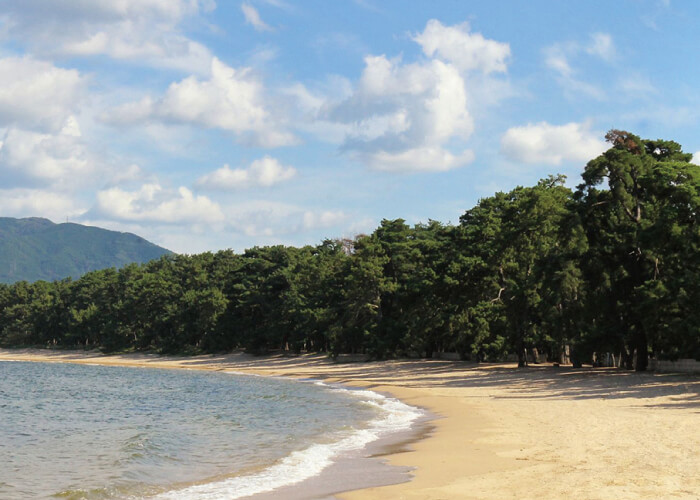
[36, 159]
[468, 51]
[696, 158]
[152, 203]
[231, 99]
[414, 117]
[143, 31]
[263, 172]
[551, 144]
[36, 94]
[252, 17]
[401, 107]
[22, 202]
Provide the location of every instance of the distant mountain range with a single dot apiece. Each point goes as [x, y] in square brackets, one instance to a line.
[37, 249]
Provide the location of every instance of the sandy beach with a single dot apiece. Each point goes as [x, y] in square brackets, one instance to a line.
[503, 432]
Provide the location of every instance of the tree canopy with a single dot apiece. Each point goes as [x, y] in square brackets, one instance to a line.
[613, 266]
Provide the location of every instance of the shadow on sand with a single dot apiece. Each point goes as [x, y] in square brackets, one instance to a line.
[541, 381]
[535, 382]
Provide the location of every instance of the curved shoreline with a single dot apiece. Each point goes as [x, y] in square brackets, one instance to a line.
[542, 432]
[362, 467]
[322, 468]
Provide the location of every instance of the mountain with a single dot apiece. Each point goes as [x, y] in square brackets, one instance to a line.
[37, 249]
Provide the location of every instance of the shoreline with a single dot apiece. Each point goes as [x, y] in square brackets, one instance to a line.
[361, 468]
[539, 432]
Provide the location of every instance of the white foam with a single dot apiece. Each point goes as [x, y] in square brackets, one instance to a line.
[246, 374]
[395, 416]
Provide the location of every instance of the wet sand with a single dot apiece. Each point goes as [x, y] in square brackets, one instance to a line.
[503, 432]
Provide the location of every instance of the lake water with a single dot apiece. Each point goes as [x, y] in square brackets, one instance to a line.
[95, 432]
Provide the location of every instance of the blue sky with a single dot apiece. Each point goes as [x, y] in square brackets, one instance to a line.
[204, 125]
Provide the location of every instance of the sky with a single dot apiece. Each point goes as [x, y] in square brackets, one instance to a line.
[212, 124]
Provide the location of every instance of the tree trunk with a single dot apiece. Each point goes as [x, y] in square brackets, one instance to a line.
[628, 359]
[642, 348]
[520, 345]
[522, 353]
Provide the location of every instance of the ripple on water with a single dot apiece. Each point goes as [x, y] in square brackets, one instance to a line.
[95, 432]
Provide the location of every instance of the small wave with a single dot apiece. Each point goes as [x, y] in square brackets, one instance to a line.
[247, 374]
[299, 466]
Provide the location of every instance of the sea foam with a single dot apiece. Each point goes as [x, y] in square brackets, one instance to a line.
[394, 416]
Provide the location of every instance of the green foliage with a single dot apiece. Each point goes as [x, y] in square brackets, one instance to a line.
[642, 262]
[611, 267]
[521, 247]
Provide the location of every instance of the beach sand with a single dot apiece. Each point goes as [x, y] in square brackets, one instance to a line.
[502, 432]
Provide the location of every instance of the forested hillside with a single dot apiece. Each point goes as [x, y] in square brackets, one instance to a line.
[613, 266]
[37, 249]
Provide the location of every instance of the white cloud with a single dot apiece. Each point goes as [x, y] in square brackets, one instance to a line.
[231, 99]
[279, 4]
[365, 225]
[418, 160]
[31, 158]
[558, 58]
[41, 11]
[129, 43]
[261, 55]
[411, 117]
[551, 144]
[143, 31]
[129, 174]
[152, 203]
[261, 217]
[636, 84]
[602, 46]
[252, 17]
[398, 108]
[263, 172]
[38, 203]
[661, 115]
[272, 219]
[36, 94]
[575, 88]
[130, 112]
[319, 220]
[312, 107]
[468, 51]
[696, 158]
[307, 101]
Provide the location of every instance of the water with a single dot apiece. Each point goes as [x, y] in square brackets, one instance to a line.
[96, 432]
